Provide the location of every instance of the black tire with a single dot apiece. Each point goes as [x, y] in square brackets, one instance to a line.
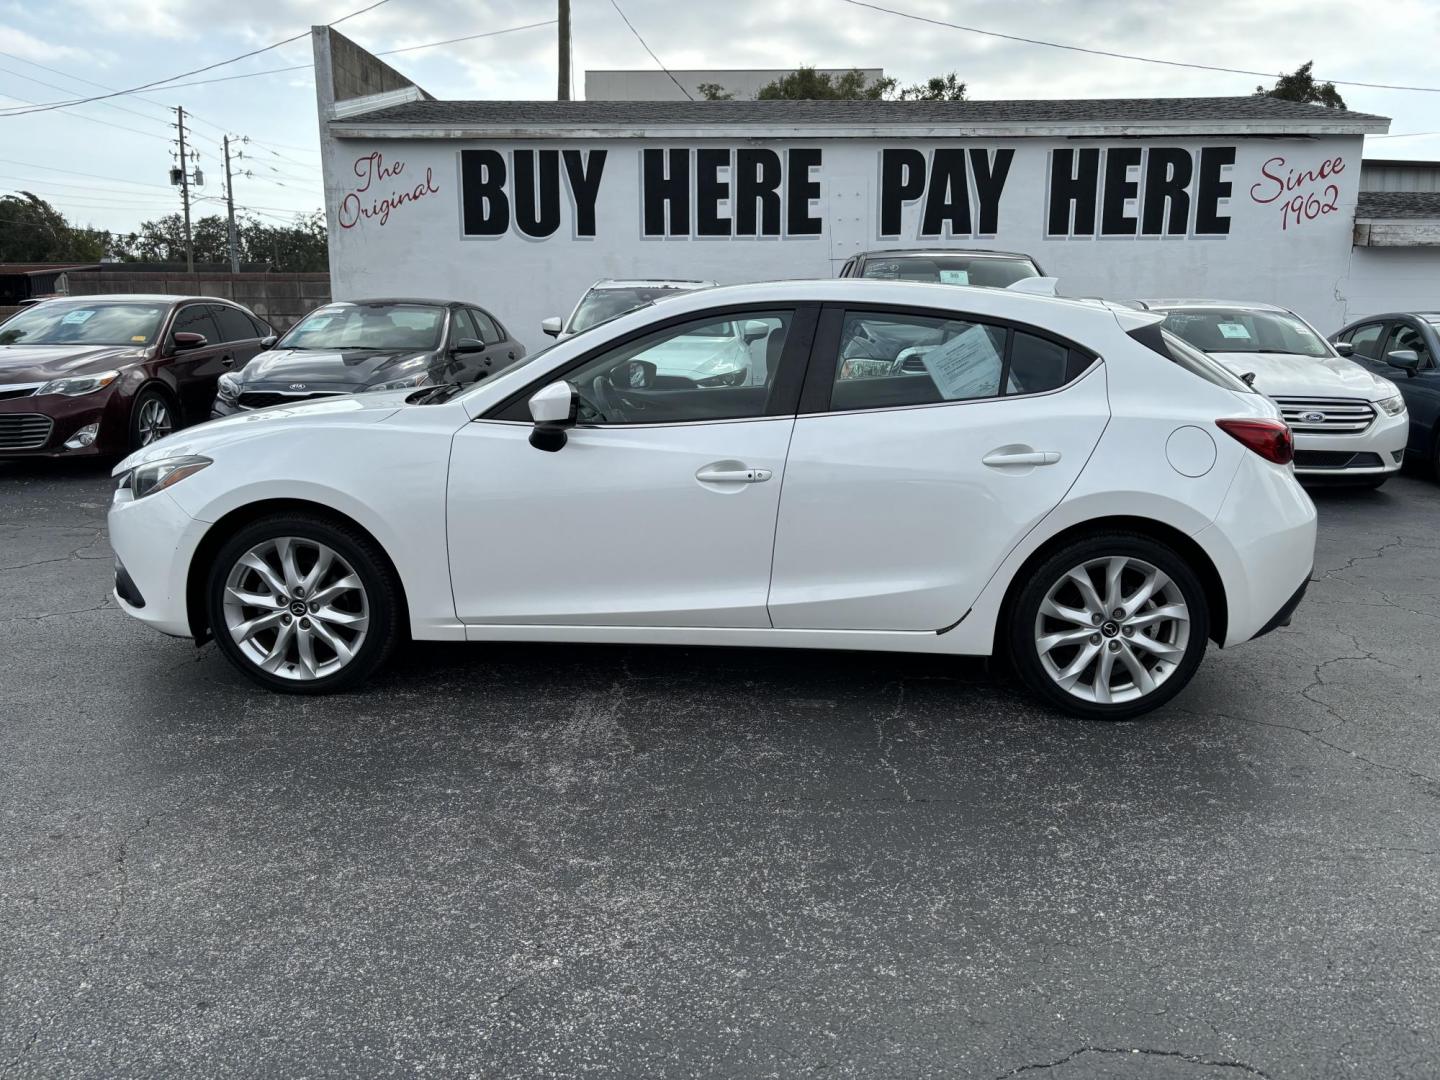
[1020, 630]
[381, 591]
[151, 398]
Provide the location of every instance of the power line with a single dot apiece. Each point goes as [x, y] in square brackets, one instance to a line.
[93, 176]
[649, 50]
[1118, 55]
[57, 86]
[47, 106]
[97, 120]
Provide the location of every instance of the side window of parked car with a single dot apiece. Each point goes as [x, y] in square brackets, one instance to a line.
[704, 369]
[195, 319]
[1407, 337]
[463, 326]
[490, 331]
[233, 323]
[1366, 339]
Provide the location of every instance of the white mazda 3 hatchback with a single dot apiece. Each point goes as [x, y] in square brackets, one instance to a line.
[911, 468]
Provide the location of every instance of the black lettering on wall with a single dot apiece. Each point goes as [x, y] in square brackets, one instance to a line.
[710, 191]
[902, 180]
[584, 176]
[537, 192]
[1074, 176]
[665, 192]
[947, 201]
[1114, 221]
[485, 211]
[1166, 206]
[1210, 189]
[756, 179]
[989, 184]
[799, 191]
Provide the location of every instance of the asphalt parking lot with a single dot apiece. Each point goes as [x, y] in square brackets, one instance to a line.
[530, 861]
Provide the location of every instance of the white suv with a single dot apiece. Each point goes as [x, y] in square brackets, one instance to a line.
[1349, 425]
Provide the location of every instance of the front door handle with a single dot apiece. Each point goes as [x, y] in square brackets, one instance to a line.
[998, 459]
[728, 473]
[227, 361]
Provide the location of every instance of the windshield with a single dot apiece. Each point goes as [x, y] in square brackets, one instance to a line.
[84, 324]
[992, 271]
[1222, 330]
[601, 305]
[367, 326]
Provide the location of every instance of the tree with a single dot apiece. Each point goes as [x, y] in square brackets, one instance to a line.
[31, 230]
[807, 84]
[936, 88]
[713, 91]
[300, 247]
[1300, 85]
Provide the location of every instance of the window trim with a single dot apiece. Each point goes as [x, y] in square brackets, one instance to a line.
[784, 393]
[217, 306]
[815, 398]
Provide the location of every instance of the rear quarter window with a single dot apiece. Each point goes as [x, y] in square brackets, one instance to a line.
[1179, 352]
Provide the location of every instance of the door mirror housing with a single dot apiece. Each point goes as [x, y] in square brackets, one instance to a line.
[553, 409]
[552, 325]
[468, 345]
[268, 341]
[1344, 348]
[1407, 360]
[755, 329]
[185, 340]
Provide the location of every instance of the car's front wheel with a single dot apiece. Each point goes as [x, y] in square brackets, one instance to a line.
[1109, 627]
[303, 605]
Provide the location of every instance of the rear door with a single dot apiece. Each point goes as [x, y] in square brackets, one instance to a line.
[239, 332]
[927, 445]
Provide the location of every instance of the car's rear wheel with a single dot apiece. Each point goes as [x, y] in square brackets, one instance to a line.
[1109, 627]
[152, 417]
[302, 604]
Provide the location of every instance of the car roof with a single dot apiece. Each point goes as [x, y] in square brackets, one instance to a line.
[1428, 316]
[922, 252]
[653, 283]
[139, 298]
[368, 301]
[1226, 305]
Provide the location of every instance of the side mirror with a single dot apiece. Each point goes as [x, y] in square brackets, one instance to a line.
[755, 329]
[1248, 378]
[553, 409]
[184, 341]
[1344, 348]
[552, 325]
[1407, 360]
[632, 375]
[468, 345]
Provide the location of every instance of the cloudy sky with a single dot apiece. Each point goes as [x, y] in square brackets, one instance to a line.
[106, 164]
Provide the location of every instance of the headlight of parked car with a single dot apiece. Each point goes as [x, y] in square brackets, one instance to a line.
[76, 385]
[228, 388]
[407, 383]
[156, 476]
[1393, 406]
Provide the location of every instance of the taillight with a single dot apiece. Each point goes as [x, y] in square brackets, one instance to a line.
[1271, 439]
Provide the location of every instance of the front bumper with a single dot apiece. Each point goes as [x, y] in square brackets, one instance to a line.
[1376, 451]
[154, 543]
[39, 426]
[265, 397]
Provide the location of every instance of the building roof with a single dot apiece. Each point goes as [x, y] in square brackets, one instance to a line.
[1397, 204]
[1254, 114]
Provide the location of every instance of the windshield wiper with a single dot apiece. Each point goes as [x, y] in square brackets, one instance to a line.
[429, 395]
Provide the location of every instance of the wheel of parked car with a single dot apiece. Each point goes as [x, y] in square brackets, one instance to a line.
[152, 417]
[303, 604]
[1109, 627]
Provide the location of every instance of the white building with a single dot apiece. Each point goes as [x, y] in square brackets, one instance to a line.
[520, 205]
[740, 83]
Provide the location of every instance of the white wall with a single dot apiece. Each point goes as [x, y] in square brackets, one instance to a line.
[419, 249]
[1390, 279]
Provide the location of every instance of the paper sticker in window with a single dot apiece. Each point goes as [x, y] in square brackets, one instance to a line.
[1233, 330]
[75, 318]
[954, 277]
[966, 366]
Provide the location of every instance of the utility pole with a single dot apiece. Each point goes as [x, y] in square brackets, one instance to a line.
[563, 91]
[230, 211]
[185, 191]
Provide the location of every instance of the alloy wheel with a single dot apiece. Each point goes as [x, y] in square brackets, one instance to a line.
[1112, 629]
[154, 421]
[295, 608]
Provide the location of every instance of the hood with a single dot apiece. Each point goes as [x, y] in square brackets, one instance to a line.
[698, 358]
[319, 368]
[41, 363]
[1288, 375]
[231, 430]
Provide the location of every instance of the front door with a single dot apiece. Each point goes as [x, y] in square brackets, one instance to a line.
[911, 475]
[196, 371]
[659, 510]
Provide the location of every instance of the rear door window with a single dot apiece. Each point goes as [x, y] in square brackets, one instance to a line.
[233, 323]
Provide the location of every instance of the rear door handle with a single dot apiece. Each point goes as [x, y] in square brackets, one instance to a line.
[998, 459]
[227, 360]
[729, 474]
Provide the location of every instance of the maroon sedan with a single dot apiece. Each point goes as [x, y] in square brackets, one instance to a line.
[107, 374]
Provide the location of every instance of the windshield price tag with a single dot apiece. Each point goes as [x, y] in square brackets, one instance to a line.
[1233, 330]
[75, 318]
[954, 277]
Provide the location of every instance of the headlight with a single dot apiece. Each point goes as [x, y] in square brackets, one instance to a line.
[1393, 406]
[410, 381]
[76, 385]
[228, 388]
[156, 476]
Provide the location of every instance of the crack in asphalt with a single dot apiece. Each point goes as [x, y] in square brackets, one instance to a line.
[1193, 1059]
[884, 745]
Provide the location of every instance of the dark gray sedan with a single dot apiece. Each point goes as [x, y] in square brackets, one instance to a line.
[354, 346]
[1405, 348]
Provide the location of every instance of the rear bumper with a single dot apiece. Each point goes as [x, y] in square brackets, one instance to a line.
[1284, 615]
